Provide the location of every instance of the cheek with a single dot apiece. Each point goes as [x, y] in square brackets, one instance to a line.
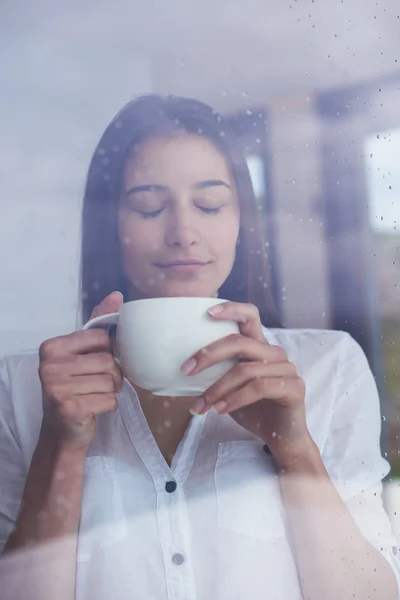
[137, 240]
[223, 238]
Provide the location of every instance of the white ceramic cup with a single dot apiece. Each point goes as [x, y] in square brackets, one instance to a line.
[155, 336]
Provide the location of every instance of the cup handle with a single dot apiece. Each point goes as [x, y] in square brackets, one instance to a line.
[103, 322]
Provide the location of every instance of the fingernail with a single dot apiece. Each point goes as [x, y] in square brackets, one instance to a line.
[189, 366]
[198, 406]
[219, 406]
[214, 310]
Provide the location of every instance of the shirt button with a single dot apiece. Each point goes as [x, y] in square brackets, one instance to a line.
[178, 559]
[170, 486]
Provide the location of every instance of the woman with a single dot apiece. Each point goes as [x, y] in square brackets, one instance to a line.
[268, 486]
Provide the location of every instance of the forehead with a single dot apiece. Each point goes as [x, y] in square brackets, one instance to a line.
[182, 158]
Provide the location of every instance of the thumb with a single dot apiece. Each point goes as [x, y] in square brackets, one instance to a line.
[111, 303]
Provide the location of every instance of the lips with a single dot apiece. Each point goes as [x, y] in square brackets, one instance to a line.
[183, 268]
[182, 263]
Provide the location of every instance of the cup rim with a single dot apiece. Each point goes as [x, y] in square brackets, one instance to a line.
[175, 298]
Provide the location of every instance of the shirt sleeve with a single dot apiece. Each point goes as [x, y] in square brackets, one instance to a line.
[352, 453]
[12, 471]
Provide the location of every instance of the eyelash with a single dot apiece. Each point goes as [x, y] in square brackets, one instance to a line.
[150, 215]
[210, 211]
[155, 213]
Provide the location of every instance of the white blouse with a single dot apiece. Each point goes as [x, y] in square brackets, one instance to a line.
[213, 525]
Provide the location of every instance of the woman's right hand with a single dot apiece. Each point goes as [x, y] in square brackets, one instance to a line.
[80, 379]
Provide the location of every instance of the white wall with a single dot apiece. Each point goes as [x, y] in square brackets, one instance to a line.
[58, 99]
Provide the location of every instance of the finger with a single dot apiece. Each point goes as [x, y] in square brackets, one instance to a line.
[247, 315]
[111, 303]
[79, 342]
[80, 408]
[287, 391]
[233, 346]
[82, 385]
[242, 374]
[65, 368]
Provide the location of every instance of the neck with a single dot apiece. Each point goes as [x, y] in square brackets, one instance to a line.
[168, 417]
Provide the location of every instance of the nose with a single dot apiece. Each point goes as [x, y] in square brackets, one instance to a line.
[182, 230]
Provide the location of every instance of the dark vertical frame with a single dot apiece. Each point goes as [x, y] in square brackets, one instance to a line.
[346, 222]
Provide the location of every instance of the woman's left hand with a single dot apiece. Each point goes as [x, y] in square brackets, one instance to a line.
[262, 392]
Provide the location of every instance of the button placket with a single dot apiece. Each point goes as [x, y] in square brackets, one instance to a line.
[175, 536]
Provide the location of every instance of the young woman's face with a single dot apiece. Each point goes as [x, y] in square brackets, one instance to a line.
[178, 218]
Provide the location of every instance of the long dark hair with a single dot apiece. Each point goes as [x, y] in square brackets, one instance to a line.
[155, 116]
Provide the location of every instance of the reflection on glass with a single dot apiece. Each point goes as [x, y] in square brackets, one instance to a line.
[382, 151]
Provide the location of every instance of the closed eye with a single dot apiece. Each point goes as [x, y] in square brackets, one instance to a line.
[150, 215]
[210, 211]
[154, 213]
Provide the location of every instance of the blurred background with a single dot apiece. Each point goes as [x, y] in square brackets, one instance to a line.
[312, 88]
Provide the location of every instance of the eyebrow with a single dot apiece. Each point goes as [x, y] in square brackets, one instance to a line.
[162, 188]
[210, 183]
[145, 188]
